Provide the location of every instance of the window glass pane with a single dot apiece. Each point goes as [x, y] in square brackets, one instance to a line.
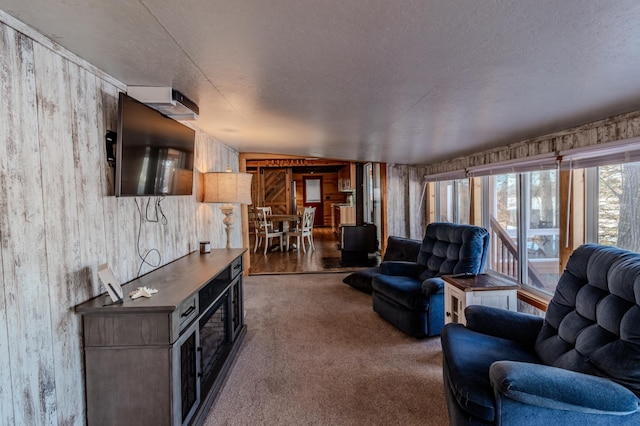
[503, 217]
[463, 202]
[313, 194]
[446, 201]
[618, 211]
[543, 233]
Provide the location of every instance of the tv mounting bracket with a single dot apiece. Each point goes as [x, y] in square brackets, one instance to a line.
[110, 139]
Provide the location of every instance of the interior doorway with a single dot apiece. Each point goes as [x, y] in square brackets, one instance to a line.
[312, 197]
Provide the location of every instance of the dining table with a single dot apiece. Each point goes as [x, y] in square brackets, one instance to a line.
[285, 220]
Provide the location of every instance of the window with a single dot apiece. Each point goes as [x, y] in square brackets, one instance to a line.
[503, 223]
[453, 201]
[543, 233]
[520, 204]
[615, 199]
[524, 207]
[463, 201]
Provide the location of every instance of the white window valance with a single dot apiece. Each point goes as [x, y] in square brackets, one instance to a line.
[530, 164]
[623, 151]
[453, 175]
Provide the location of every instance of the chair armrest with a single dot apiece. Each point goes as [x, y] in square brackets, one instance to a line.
[432, 286]
[556, 388]
[400, 268]
[517, 326]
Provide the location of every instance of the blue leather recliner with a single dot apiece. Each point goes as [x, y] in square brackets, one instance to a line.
[578, 365]
[410, 295]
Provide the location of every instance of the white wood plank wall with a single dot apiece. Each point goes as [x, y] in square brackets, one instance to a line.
[59, 220]
[405, 211]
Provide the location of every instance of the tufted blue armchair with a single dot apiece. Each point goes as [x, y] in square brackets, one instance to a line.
[578, 365]
[397, 249]
[410, 294]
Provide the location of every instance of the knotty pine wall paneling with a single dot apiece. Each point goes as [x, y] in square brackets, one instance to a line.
[59, 220]
[330, 193]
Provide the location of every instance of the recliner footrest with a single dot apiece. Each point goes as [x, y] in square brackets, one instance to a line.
[406, 291]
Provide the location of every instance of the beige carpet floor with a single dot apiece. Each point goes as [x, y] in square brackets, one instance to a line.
[316, 354]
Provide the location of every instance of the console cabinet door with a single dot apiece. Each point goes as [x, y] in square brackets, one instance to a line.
[454, 304]
[456, 300]
[186, 370]
[235, 316]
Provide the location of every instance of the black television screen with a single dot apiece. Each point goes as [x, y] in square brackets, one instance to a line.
[154, 153]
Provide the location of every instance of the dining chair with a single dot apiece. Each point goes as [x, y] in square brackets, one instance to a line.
[266, 210]
[265, 231]
[304, 229]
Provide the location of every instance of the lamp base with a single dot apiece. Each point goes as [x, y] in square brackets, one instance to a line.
[227, 211]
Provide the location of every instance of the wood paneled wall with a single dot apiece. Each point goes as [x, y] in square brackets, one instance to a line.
[330, 192]
[59, 220]
[405, 206]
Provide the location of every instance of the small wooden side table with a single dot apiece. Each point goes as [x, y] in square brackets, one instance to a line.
[484, 289]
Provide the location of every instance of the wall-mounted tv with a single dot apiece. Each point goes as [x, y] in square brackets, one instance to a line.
[154, 153]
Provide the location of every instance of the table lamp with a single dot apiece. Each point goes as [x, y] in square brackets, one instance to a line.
[227, 187]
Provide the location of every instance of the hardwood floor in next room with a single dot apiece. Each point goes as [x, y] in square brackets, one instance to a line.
[325, 258]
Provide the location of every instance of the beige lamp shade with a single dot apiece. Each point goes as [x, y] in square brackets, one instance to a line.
[227, 187]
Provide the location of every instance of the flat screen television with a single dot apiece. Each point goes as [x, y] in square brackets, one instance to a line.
[154, 153]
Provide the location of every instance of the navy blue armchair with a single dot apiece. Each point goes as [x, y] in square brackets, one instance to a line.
[397, 249]
[578, 365]
[410, 294]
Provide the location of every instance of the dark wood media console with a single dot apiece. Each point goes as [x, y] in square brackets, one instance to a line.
[162, 360]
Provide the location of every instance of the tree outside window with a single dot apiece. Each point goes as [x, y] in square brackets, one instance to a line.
[618, 212]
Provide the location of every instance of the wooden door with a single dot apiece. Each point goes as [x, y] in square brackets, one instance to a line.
[277, 189]
[312, 197]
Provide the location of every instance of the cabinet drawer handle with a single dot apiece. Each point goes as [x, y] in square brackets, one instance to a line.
[448, 314]
[188, 311]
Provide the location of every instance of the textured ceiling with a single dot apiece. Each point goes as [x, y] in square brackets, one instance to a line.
[409, 82]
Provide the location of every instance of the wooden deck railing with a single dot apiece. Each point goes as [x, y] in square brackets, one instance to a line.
[504, 255]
